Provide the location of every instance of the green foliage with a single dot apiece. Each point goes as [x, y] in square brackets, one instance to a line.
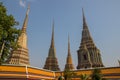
[84, 77]
[60, 78]
[68, 74]
[104, 79]
[8, 33]
[96, 75]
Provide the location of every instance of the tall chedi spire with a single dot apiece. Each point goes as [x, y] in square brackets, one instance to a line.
[51, 61]
[52, 40]
[88, 54]
[69, 63]
[21, 55]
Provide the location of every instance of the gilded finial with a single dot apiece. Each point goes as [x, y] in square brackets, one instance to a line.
[84, 20]
[26, 20]
[68, 46]
[52, 40]
[28, 9]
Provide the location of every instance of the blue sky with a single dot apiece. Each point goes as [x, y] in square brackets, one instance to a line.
[102, 16]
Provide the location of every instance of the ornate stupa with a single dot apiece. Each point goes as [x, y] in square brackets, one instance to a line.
[69, 63]
[21, 55]
[51, 61]
[88, 54]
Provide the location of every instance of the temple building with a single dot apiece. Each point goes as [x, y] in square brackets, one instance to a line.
[88, 54]
[69, 64]
[51, 61]
[88, 57]
[21, 55]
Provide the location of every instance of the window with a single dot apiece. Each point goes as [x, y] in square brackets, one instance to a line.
[85, 57]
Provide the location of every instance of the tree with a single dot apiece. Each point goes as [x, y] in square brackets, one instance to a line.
[84, 77]
[96, 74]
[8, 34]
[60, 78]
[104, 79]
[68, 74]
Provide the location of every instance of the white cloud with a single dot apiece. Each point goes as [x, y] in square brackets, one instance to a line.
[22, 3]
